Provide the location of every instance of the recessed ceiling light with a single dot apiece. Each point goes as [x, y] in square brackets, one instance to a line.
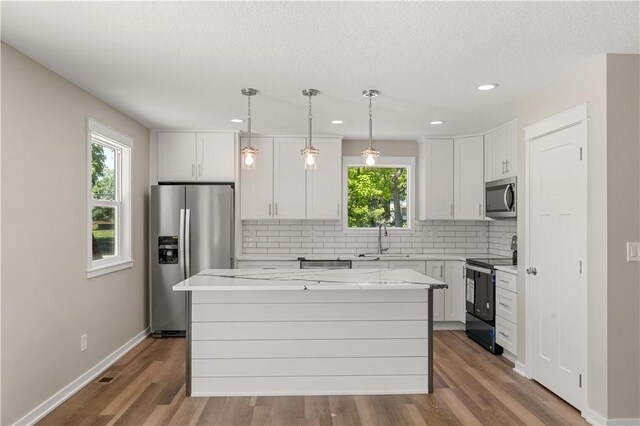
[337, 121]
[437, 122]
[489, 86]
[237, 120]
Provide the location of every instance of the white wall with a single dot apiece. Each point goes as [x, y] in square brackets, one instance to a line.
[609, 84]
[47, 301]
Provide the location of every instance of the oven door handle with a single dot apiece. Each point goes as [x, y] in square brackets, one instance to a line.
[479, 269]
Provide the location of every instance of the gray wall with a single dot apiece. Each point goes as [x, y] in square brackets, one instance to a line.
[623, 201]
[612, 283]
[47, 301]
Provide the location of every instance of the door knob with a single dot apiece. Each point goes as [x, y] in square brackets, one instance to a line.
[532, 271]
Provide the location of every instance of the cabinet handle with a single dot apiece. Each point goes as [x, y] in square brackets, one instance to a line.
[504, 334]
[441, 271]
[502, 166]
[451, 208]
[506, 166]
[193, 169]
[503, 304]
[480, 209]
[199, 169]
[276, 209]
[338, 209]
[269, 209]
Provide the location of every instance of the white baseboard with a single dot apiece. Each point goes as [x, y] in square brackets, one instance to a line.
[448, 325]
[521, 369]
[594, 418]
[508, 355]
[65, 393]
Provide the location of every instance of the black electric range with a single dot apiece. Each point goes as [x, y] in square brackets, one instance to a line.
[481, 298]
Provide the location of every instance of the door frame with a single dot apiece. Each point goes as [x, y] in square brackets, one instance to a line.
[572, 117]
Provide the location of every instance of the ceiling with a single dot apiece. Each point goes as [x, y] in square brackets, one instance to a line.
[181, 65]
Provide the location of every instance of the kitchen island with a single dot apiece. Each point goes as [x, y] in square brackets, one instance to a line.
[309, 332]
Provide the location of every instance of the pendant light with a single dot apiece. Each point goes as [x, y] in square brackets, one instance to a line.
[370, 153]
[249, 153]
[309, 152]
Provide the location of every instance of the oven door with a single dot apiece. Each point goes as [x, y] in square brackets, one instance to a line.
[483, 280]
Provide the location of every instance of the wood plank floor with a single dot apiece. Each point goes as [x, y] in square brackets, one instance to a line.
[472, 387]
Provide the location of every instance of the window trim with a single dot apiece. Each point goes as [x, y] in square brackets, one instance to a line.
[407, 162]
[124, 145]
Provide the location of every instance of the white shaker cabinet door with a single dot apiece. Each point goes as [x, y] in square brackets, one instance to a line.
[455, 295]
[469, 178]
[256, 195]
[289, 179]
[176, 157]
[416, 265]
[436, 179]
[216, 157]
[324, 184]
[435, 269]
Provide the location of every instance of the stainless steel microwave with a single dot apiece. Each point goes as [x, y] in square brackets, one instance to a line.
[501, 198]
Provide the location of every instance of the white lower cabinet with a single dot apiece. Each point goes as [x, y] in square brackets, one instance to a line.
[449, 304]
[416, 265]
[506, 312]
[369, 264]
[261, 264]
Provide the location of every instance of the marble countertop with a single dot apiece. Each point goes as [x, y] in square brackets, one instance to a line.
[309, 279]
[508, 269]
[355, 257]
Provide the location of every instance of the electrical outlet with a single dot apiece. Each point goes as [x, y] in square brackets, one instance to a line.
[633, 252]
[83, 342]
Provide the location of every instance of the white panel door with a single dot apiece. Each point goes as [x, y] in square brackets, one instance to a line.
[289, 178]
[324, 184]
[435, 269]
[435, 179]
[557, 251]
[469, 178]
[455, 295]
[176, 157]
[216, 156]
[256, 185]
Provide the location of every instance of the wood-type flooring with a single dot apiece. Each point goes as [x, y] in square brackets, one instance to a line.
[472, 387]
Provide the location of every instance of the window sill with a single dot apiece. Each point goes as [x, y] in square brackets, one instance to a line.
[109, 268]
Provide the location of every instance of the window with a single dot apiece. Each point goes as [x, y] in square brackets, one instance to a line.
[109, 199]
[382, 193]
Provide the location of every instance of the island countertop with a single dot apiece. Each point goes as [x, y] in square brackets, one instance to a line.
[311, 279]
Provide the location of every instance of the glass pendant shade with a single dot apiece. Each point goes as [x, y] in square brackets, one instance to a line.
[248, 152]
[309, 153]
[370, 153]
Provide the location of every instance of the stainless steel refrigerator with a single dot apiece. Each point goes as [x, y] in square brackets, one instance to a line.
[192, 228]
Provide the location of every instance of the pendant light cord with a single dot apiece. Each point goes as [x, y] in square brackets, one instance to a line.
[370, 123]
[310, 121]
[249, 118]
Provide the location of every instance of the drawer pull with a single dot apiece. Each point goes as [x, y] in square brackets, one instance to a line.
[503, 304]
[505, 335]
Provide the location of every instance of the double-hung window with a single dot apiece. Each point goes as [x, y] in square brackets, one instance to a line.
[109, 199]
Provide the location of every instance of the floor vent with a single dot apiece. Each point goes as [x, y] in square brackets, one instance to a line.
[105, 380]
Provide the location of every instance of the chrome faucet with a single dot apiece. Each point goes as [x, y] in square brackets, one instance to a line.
[386, 234]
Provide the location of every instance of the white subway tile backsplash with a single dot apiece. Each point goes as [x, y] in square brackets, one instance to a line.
[300, 237]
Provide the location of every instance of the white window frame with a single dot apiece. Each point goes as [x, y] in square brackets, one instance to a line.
[123, 145]
[407, 162]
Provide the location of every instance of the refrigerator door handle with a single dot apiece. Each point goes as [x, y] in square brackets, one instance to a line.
[187, 243]
[181, 246]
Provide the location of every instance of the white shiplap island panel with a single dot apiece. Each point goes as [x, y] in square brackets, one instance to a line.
[308, 332]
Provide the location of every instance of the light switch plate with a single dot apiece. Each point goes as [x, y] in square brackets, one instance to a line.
[633, 252]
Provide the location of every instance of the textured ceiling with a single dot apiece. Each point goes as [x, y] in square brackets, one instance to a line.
[182, 65]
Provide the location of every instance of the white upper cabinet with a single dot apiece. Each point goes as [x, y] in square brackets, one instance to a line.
[289, 178]
[469, 178]
[280, 188]
[196, 157]
[501, 152]
[256, 185]
[436, 182]
[324, 184]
